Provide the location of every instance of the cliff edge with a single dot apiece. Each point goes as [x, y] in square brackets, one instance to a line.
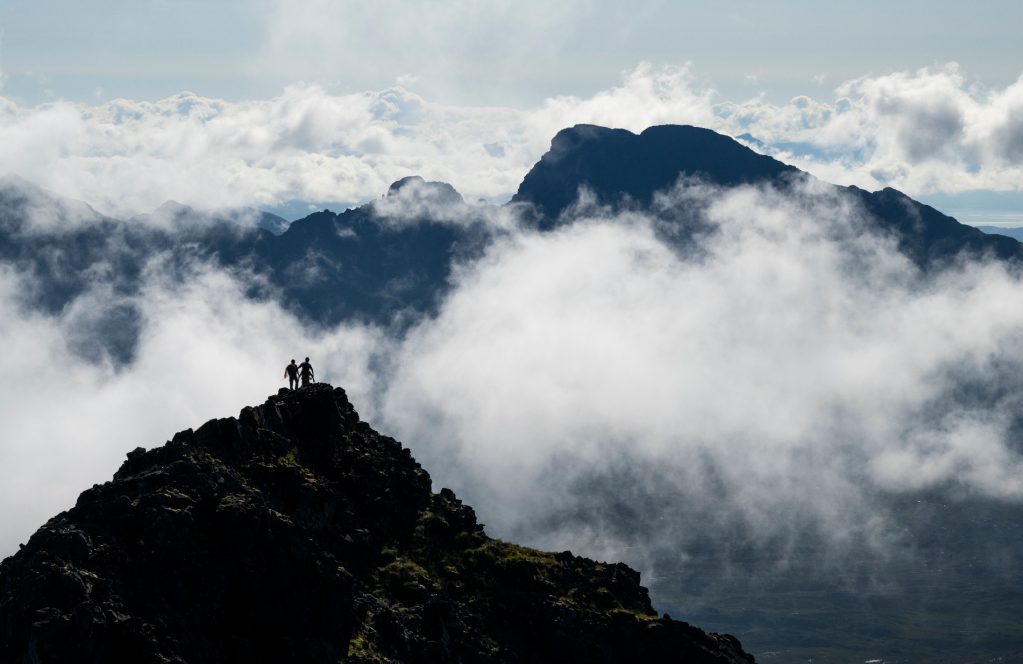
[296, 533]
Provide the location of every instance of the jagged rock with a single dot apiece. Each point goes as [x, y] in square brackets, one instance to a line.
[296, 533]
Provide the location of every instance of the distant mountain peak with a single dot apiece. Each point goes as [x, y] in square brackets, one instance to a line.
[247, 216]
[616, 163]
[416, 188]
[173, 207]
[749, 138]
[15, 180]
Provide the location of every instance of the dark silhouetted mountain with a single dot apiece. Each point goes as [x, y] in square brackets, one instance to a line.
[929, 237]
[246, 216]
[327, 267]
[615, 163]
[439, 193]
[386, 268]
[61, 249]
[296, 533]
[619, 167]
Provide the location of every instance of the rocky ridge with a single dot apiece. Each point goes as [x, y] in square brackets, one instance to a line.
[297, 533]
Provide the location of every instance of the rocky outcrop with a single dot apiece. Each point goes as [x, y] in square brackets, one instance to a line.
[296, 533]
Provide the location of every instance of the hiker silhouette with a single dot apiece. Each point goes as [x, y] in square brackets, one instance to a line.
[291, 371]
[306, 370]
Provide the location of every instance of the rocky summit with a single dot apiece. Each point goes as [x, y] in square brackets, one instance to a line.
[296, 533]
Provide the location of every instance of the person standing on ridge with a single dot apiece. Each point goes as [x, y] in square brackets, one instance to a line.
[307, 372]
[291, 371]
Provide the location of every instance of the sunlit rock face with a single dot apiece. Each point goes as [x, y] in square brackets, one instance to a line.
[295, 532]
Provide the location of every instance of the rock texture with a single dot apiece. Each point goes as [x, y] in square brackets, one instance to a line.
[296, 533]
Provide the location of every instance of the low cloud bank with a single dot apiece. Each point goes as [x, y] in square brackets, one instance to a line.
[921, 132]
[601, 387]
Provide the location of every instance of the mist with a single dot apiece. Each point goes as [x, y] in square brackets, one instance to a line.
[205, 351]
[783, 376]
[609, 388]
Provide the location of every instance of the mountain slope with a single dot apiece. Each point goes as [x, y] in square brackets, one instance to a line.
[616, 162]
[246, 216]
[326, 268]
[617, 165]
[297, 533]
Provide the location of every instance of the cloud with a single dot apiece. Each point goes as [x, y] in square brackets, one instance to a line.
[425, 40]
[777, 381]
[921, 132]
[776, 377]
[205, 351]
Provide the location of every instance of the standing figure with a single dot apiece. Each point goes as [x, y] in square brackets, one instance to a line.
[307, 372]
[291, 371]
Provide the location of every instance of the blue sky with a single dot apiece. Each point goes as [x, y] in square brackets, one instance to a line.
[497, 73]
[512, 54]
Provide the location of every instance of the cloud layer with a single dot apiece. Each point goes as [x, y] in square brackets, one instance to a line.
[782, 377]
[775, 378]
[921, 132]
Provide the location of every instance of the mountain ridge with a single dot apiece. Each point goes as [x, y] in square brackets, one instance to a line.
[618, 166]
[295, 532]
[390, 262]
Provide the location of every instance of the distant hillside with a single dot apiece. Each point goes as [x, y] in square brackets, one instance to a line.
[1015, 233]
[247, 216]
[327, 267]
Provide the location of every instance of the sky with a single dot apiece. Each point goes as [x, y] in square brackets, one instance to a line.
[807, 373]
[459, 52]
[296, 106]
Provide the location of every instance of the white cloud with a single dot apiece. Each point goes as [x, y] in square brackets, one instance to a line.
[205, 352]
[920, 132]
[797, 363]
[315, 36]
[787, 372]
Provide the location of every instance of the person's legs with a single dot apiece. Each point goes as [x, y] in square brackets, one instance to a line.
[293, 382]
[305, 380]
